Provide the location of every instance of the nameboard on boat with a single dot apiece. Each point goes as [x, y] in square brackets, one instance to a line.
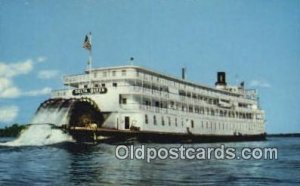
[84, 91]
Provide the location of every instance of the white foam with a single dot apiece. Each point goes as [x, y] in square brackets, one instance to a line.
[57, 116]
[40, 135]
[42, 132]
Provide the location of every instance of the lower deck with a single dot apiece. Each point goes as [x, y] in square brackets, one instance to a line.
[87, 134]
[155, 122]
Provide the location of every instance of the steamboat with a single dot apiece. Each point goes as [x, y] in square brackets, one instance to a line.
[123, 102]
[133, 102]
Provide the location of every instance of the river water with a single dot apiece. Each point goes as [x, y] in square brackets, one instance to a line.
[71, 163]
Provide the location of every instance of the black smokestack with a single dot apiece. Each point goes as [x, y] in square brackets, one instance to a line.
[183, 73]
[221, 79]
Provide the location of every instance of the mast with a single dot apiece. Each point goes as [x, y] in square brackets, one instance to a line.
[90, 68]
[87, 44]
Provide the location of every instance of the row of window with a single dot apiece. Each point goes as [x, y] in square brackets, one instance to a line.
[201, 110]
[175, 83]
[207, 125]
[96, 85]
[113, 73]
[150, 86]
[123, 72]
[163, 121]
[182, 93]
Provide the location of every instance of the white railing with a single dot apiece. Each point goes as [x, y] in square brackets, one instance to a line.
[76, 78]
[97, 76]
[61, 93]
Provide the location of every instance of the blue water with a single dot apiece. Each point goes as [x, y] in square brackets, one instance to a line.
[77, 164]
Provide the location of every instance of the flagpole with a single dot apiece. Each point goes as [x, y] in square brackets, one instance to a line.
[87, 44]
[90, 58]
[90, 68]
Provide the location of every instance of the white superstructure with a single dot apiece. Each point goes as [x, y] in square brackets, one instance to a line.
[136, 98]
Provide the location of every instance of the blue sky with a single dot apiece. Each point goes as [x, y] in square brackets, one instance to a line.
[256, 41]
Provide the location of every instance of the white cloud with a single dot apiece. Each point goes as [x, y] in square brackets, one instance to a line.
[10, 70]
[48, 74]
[259, 83]
[43, 91]
[8, 113]
[15, 69]
[41, 59]
[7, 72]
[11, 92]
[8, 89]
[4, 83]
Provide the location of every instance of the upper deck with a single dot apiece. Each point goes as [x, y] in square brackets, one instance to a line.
[137, 73]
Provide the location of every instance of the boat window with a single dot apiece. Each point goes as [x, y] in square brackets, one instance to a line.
[215, 101]
[154, 120]
[196, 109]
[217, 112]
[169, 121]
[189, 94]
[194, 96]
[146, 118]
[114, 84]
[123, 72]
[181, 93]
[202, 110]
[192, 123]
[162, 121]
[124, 100]
[147, 102]
[156, 103]
[207, 111]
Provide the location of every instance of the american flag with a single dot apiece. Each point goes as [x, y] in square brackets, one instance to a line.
[87, 44]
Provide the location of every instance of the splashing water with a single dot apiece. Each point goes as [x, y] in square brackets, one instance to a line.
[42, 131]
[39, 135]
[56, 116]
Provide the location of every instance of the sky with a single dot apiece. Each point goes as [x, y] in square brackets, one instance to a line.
[256, 41]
